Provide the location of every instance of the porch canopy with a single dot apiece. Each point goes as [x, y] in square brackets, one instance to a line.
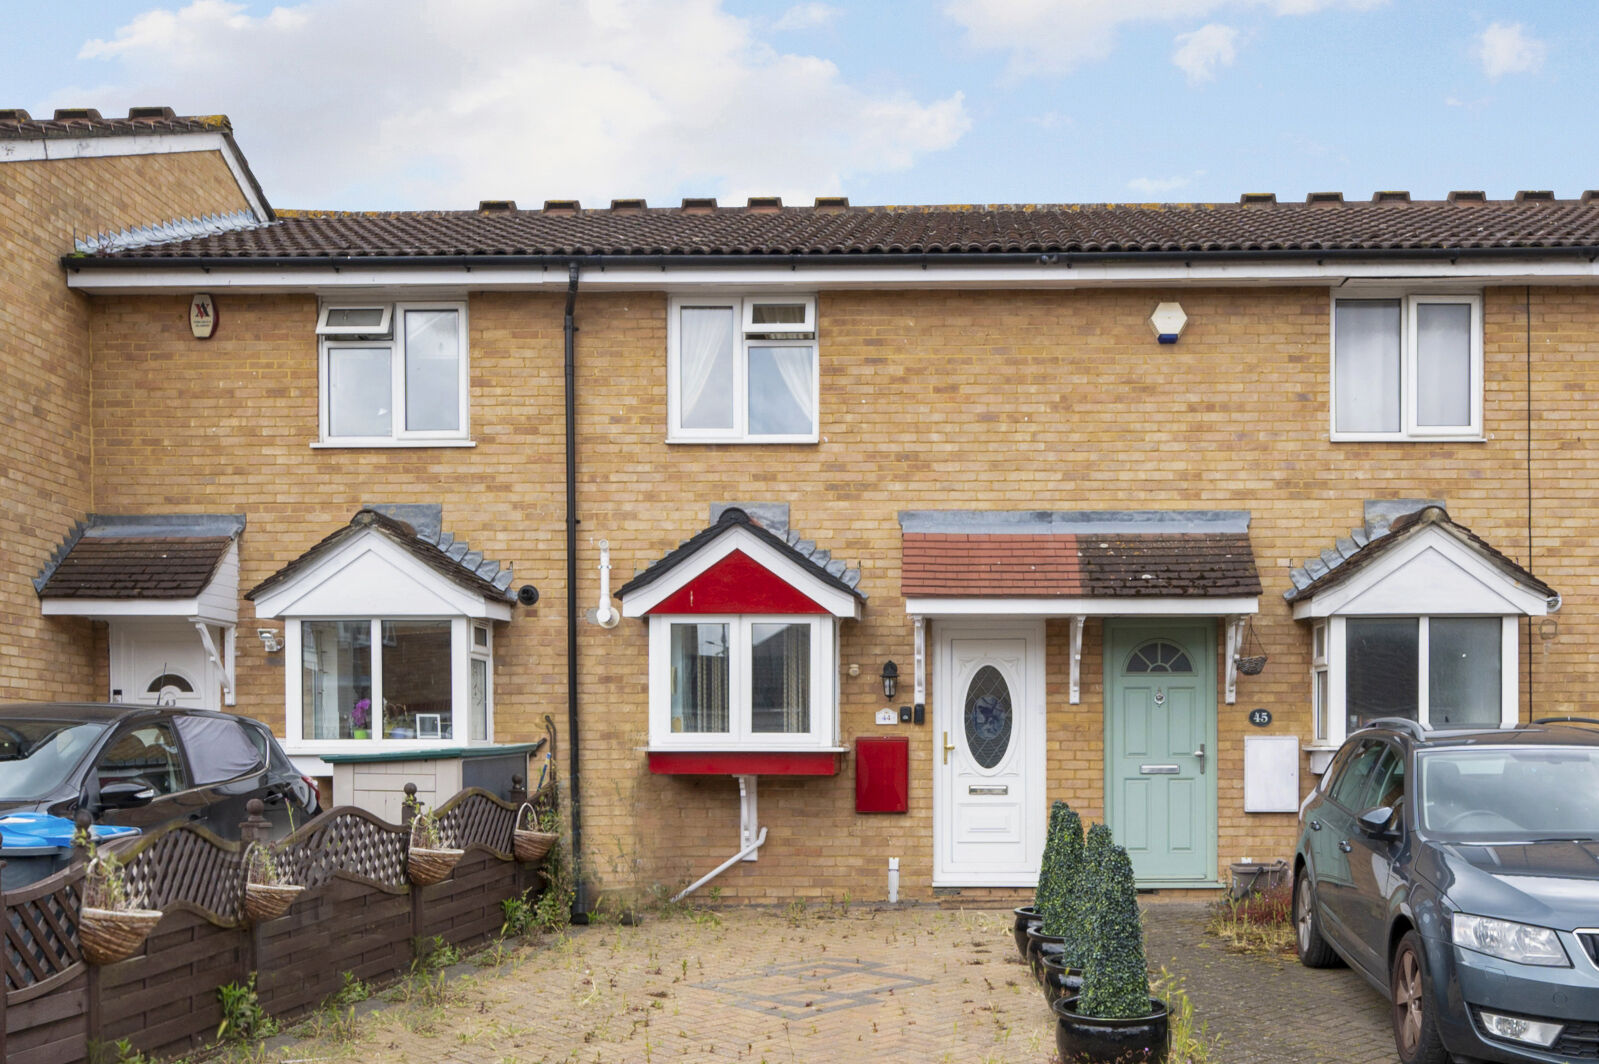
[1079, 564]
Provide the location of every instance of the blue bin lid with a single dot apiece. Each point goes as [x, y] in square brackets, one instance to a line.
[35, 830]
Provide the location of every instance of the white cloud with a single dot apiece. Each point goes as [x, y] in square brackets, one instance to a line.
[1153, 188]
[446, 102]
[807, 17]
[1508, 50]
[1199, 53]
[1055, 36]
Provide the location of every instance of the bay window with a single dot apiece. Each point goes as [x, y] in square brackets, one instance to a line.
[741, 682]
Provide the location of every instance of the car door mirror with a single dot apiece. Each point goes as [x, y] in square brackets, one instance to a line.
[1379, 822]
[125, 794]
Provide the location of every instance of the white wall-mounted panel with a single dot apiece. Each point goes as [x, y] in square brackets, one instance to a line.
[1271, 773]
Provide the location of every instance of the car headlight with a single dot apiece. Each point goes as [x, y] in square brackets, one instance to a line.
[1510, 941]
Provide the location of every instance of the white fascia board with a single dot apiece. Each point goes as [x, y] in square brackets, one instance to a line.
[834, 601]
[781, 276]
[42, 149]
[1082, 607]
[1452, 577]
[107, 608]
[362, 562]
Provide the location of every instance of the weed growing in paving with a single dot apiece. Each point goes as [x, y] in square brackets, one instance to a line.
[1257, 923]
[243, 1018]
[1191, 1042]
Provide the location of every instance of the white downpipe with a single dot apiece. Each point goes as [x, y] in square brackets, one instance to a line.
[760, 840]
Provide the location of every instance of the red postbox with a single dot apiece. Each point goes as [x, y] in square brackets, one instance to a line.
[882, 774]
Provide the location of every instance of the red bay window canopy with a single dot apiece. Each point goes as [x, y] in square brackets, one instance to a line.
[743, 660]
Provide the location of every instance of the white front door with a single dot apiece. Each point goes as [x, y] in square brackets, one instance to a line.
[988, 784]
[160, 661]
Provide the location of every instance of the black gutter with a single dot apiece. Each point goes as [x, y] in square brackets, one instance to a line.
[580, 886]
[795, 261]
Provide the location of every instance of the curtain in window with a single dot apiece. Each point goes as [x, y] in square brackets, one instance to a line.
[1463, 670]
[780, 678]
[705, 366]
[432, 371]
[1443, 364]
[1367, 358]
[781, 383]
[700, 678]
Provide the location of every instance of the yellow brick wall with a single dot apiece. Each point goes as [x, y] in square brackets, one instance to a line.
[45, 381]
[930, 400]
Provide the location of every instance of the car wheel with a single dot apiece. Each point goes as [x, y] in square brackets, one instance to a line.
[1415, 1033]
[1313, 950]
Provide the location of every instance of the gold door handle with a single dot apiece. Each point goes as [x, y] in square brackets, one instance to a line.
[947, 747]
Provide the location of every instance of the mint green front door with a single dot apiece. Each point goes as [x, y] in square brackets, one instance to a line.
[1160, 743]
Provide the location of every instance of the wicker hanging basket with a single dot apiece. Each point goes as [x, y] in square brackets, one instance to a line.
[529, 843]
[111, 935]
[1250, 664]
[266, 896]
[426, 866]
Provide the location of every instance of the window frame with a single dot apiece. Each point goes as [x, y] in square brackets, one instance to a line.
[1410, 430]
[462, 653]
[823, 733]
[747, 334]
[1338, 729]
[391, 334]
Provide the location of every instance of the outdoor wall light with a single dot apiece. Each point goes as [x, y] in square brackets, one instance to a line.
[890, 678]
[269, 639]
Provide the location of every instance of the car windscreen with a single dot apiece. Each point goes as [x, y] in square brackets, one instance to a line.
[1509, 793]
[37, 755]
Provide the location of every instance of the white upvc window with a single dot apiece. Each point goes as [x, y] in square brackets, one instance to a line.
[388, 681]
[1407, 367]
[393, 374]
[1320, 709]
[742, 682]
[1443, 671]
[742, 369]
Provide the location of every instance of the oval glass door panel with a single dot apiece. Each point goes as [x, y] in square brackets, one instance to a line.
[988, 717]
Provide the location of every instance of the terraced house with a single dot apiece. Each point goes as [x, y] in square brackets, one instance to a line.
[828, 537]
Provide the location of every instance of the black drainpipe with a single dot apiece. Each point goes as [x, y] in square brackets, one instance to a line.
[580, 905]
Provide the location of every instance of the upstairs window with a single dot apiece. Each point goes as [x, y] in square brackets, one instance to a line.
[393, 373]
[1407, 368]
[742, 369]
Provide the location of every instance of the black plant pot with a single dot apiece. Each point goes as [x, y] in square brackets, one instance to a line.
[1039, 944]
[1086, 1039]
[1026, 916]
[1059, 980]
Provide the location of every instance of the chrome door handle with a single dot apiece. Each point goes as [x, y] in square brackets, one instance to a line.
[1200, 754]
[948, 746]
[1315, 825]
[1343, 844]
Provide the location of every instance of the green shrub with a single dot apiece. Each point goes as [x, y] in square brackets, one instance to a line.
[243, 1018]
[1115, 979]
[1057, 877]
[1077, 919]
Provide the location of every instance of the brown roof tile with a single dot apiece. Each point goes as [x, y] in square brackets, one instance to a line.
[1069, 229]
[1066, 565]
[137, 567]
[157, 120]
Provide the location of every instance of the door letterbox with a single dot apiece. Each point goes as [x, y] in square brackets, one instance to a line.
[882, 774]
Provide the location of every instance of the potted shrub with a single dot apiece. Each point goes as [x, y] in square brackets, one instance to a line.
[429, 858]
[1114, 1018]
[1032, 915]
[1063, 966]
[110, 928]
[1055, 876]
[267, 892]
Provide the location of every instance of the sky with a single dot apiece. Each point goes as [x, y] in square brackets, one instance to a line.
[437, 104]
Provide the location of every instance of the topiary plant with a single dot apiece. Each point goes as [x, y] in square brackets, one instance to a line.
[1050, 860]
[1116, 977]
[1066, 836]
[1078, 918]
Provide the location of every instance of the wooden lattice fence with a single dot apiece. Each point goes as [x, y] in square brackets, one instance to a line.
[358, 913]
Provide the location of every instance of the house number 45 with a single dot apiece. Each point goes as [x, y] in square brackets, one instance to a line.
[1260, 717]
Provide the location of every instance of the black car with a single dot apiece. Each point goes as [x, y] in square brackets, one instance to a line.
[1458, 871]
[147, 766]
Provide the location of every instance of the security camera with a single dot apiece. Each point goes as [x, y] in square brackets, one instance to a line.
[527, 594]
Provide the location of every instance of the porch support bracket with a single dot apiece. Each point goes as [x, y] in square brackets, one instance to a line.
[1235, 640]
[1074, 693]
[223, 661]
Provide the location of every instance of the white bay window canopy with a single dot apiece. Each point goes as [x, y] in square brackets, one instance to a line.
[168, 587]
[1414, 616]
[388, 634]
[744, 647]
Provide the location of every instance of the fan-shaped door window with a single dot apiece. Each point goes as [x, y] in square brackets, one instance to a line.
[168, 688]
[1158, 655]
[988, 717]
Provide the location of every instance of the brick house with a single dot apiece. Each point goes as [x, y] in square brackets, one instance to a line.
[1017, 486]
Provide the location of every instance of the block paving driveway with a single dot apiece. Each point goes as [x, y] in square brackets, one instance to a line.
[914, 984]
